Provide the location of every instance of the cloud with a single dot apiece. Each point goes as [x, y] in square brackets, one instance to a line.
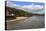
[38, 6]
[10, 4]
[32, 7]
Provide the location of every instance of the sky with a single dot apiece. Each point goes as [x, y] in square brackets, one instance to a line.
[27, 6]
[19, 3]
[25, 3]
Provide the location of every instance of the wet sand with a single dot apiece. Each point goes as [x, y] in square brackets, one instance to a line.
[29, 23]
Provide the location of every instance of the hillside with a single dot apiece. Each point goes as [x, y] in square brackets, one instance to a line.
[17, 12]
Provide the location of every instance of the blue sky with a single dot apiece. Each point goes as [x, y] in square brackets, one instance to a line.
[26, 3]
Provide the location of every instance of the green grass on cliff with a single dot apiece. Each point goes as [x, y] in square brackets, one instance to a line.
[22, 12]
